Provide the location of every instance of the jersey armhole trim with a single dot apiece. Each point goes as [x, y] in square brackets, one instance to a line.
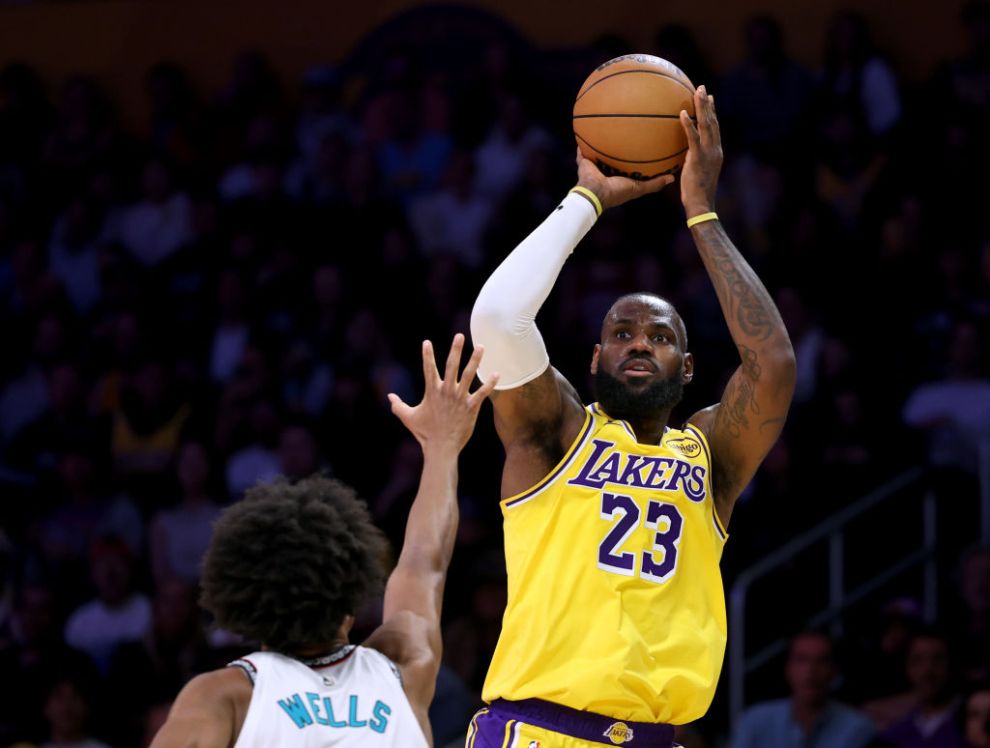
[247, 666]
[700, 436]
[532, 493]
[394, 668]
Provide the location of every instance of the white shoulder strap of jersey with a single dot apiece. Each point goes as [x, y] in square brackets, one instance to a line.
[247, 666]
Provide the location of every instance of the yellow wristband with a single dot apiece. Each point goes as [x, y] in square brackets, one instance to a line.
[591, 196]
[701, 219]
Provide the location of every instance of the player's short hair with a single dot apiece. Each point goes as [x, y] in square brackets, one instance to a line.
[287, 563]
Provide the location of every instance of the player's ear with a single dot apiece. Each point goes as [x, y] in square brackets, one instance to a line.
[687, 372]
[594, 358]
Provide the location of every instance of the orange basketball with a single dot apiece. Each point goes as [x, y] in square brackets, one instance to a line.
[627, 116]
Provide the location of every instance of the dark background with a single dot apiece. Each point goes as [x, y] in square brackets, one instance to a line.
[226, 227]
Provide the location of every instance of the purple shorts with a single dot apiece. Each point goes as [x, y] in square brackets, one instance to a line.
[502, 720]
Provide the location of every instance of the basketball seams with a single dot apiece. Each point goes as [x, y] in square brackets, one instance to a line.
[627, 161]
[634, 116]
[638, 70]
[646, 116]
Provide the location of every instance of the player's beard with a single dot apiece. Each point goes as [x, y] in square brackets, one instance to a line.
[624, 403]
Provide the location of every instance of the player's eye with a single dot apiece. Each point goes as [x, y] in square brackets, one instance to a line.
[622, 334]
[661, 338]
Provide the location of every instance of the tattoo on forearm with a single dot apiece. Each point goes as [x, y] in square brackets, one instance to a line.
[757, 330]
[738, 401]
[750, 363]
[738, 285]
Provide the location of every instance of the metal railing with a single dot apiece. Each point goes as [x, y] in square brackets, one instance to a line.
[840, 599]
[984, 473]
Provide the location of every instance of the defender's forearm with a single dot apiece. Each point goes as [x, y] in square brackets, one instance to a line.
[431, 529]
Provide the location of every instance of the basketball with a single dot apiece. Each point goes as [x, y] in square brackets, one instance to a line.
[627, 116]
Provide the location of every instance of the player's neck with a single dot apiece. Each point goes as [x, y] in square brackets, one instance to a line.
[315, 650]
[318, 650]
[650, 430]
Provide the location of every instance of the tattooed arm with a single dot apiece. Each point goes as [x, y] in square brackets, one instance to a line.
[744, 425]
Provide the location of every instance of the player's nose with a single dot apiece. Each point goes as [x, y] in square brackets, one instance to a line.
[641, 342]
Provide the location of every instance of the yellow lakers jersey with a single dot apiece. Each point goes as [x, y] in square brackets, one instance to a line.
[615, 601]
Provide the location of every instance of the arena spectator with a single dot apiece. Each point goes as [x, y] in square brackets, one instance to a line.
[179, 535]
[976, 716]
[502, 159]
[856, 77]
[35, 655]
[25, 395]
[298, 450]
[84, 512]
[118, 613]
[230, 338]
[809, 717]
[954, 410]
[74, 252]
[68, 710]
[412, 160]
[146, 429]
[765, 100]
[257, 460]
[161, 222]
[931, 723]
[969, 620]
[171, 652]
[454, 219]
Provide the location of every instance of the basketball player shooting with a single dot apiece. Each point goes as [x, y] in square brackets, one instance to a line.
[615, 626]
[290, 564]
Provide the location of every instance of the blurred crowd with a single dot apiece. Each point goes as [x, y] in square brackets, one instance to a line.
[227, 294]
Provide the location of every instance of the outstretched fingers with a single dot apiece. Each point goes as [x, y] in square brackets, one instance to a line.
[479, 395]
[454, 361]
[430, 374]
[467, 376]
[400, 409]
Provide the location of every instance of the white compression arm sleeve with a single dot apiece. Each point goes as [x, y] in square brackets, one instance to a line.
[504, 316]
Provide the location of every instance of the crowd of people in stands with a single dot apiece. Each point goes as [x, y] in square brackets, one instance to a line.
[227, 293]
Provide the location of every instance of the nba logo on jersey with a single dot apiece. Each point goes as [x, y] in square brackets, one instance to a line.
[534, 744]
[619, 733]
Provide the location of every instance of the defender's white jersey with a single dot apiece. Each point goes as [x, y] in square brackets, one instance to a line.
[352, 697]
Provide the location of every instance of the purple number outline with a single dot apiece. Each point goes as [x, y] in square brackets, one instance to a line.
[628, 511]
[668, 541]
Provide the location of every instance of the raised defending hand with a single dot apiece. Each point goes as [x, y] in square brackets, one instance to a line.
[612, 191]
[699, 177]
[446, 415]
